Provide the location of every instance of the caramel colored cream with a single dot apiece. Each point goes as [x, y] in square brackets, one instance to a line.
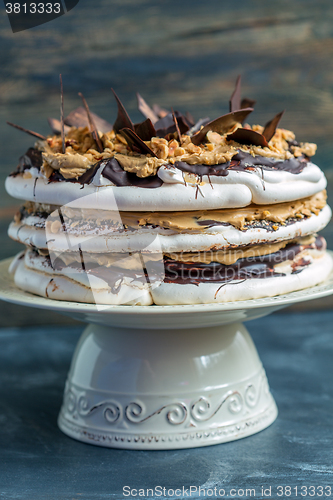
[228, 257]
[191, 221]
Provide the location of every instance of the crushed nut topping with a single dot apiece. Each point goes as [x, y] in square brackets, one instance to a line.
[82, 152]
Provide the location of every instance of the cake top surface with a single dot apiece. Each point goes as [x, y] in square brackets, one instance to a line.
[167, 149]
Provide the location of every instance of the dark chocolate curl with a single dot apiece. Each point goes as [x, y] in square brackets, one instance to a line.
[235, 99]
[27, 131]
[78, 118]
[222, 125]
[116, 174]
[177, 127]
[135, 143]
[271, 126]
[145, 130]
[247, 103]
[247, 137]
[92, 126]
[123, 120]
[62, 123]
[145, 109]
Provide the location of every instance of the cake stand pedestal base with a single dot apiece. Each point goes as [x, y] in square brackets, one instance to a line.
[165, 388]
[164, 377]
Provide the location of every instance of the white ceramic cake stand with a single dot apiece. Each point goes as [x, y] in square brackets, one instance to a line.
[164, 377]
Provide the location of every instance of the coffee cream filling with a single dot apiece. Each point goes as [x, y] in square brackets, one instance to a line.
[135, 262]
[179, 221]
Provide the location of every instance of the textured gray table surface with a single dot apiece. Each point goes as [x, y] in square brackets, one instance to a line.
[38, 462]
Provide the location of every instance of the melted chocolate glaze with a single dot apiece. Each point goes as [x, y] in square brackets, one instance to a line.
[243, 162]
[116, 174]
[195, 273]
[32, 158]
[246, 268]
[112, 275]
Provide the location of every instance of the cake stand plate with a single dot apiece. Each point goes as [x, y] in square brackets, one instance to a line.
[164, 377]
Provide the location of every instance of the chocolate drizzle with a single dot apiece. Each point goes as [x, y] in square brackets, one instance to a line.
[246, 268]
[116, 174]
[219, 170]
[243, 162]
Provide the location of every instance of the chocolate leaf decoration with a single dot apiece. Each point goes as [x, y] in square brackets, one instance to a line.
[135, 143]
[167, 125]
[197, 126]
[89, 174]
[145, 109]
[123, 120]
[189, 118]
[27, 131]
[160, 112]
[145, 130]
[246, 102]
[116, 174]
[235, 99]
[271, 126]
[78, 118]
[55, 126]
[92, 126]
[177, 127]
[62, 123]
[222, 124]
[248, 137]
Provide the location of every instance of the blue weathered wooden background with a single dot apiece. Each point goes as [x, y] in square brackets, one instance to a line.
[185, 54]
